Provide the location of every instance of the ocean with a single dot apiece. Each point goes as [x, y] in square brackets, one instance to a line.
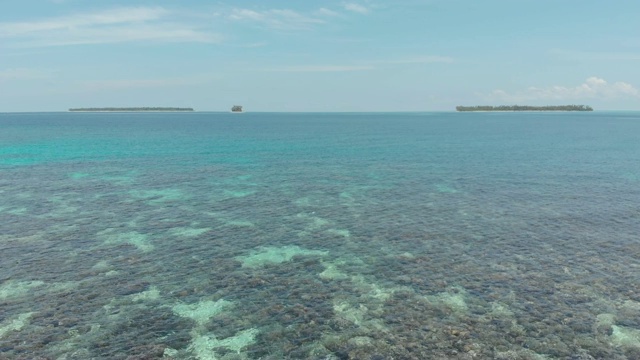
[320, 235]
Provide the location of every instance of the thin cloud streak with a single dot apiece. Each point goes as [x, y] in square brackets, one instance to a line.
[428, 59]
[145, 83]
[327, 12]
[365, 65]
[322, 68]
[594, 55]
[110, 35]
[24, 74]
[109, 26]
[592, 88]
[113, 16]
[357, 8]
[280, 19]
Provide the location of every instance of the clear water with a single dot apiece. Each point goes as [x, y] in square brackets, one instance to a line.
[320, 236]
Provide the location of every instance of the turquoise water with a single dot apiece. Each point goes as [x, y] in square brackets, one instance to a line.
[320, 236]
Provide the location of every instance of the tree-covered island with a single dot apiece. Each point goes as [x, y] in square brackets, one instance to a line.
[526, 108]
[132, 109]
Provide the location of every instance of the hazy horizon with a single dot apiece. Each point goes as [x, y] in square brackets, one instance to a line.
[338, 56]
[318, 112]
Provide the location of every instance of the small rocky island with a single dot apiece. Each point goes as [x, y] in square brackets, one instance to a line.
[526, 108]
[131, 109]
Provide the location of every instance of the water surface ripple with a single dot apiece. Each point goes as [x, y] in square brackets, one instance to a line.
[320, 236]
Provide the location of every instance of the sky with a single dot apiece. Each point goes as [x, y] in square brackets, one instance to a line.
[310, 55]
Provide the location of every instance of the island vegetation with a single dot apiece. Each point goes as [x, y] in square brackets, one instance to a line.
[526, 108]
[127, 109]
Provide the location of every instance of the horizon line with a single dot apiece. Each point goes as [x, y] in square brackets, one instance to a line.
[299, 111]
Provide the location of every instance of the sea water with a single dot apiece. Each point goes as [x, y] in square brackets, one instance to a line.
[320, 236]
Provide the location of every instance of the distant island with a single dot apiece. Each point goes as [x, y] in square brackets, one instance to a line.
[127, 109]
[526, 108]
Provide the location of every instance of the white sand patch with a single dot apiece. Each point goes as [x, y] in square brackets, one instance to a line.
[276, 255]
[23, 239]
[605, 320]
[357, 314]
[501, 310]
[346, 195]
[630, 305]
[240, 223]
[360, 341]
[125, 179]
[520, 354]
[152, 294]
[170, 353]
[354, 314]
[188, 232]
[315, 221]
[446, 189]
[203, 345]
[156, 197]
[101, 265]
[372, 290]
[238, 193]
[134, 238]
[78, 175]
[18, 211]
[62, 286]
[202, 311]
[63, 206]
[331, 272]
[625, 336]
[12, 288]
[454, 300]
[305, 201]
[339, 232]
[15, 324]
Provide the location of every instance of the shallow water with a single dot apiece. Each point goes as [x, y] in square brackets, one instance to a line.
[320, 236]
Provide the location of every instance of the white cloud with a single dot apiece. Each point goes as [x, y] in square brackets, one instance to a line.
[282, 19]
[426, 59]
[109, 26]
[360, 9]
[595, 55]
[24, 74]
[327, 12]
[146, 83]
[365, 65]
[323, 68]
[113, 16]
[592, 88]
[134, 32]
[254, 45]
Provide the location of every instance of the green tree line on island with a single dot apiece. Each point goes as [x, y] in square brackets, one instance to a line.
[525, 108]
[132, 109]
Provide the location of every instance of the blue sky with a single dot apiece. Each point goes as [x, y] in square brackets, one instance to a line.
[360, 55]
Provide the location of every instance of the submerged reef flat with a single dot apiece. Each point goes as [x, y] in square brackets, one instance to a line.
[319, 236]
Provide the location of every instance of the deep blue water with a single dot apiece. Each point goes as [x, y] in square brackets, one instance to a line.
[320, 236]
